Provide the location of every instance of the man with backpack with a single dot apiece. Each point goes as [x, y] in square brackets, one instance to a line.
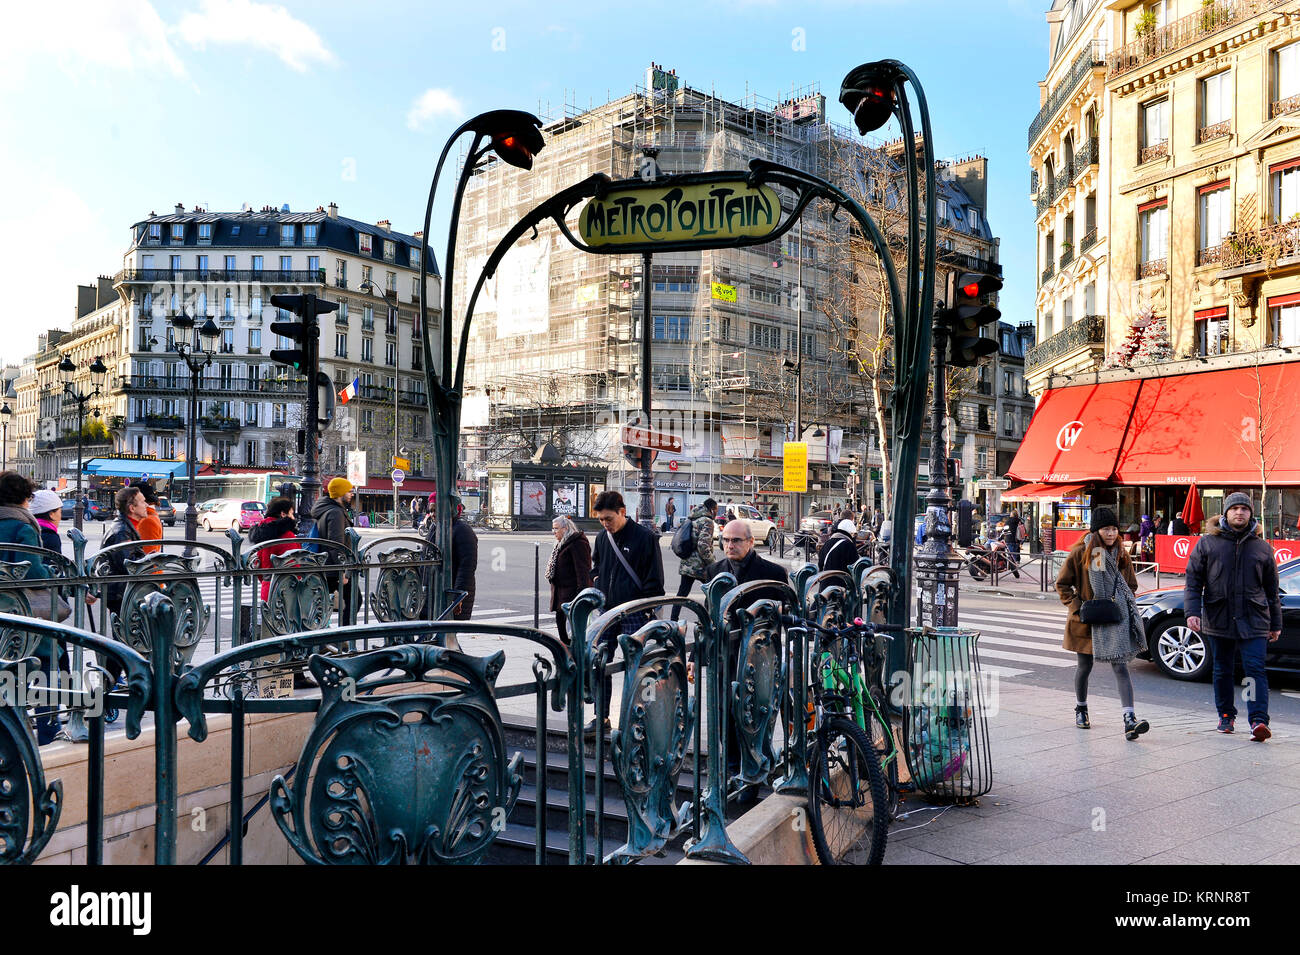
[840, 552]
[693, 543]
[332, 523]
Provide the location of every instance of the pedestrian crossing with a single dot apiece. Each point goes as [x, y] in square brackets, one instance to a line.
[1028, 637]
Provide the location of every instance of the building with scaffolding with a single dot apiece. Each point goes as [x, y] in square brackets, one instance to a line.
[554, 350]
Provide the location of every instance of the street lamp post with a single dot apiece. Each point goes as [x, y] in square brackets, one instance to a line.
[390, 301]
[97, 372]
[515, 137]
[5, 414]
[197, 355]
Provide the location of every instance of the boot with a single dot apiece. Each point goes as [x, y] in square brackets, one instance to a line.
[1133, 728]
[1081, 718]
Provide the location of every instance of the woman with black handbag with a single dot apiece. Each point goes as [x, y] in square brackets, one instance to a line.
[1097, 583]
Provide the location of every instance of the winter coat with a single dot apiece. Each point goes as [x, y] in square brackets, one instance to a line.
[1073, 587]
[18, 526]
[696, 566]
[572, 570]
[641, 550]
[750, 569]
[150, 529]
[270, 529]
[840, 552]
[1232, 579]
[332, 522]
[50, 537]
[123, 530]
[464, 556]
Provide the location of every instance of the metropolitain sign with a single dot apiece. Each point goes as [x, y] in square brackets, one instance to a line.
[659, 216]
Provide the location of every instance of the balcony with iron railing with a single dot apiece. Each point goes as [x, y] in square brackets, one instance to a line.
[1217, 131]
[1206, 21]
[1067, 255]
[220, 423]
[1089, 240]
[1087, 332]
[1152, 268]
[264, 276]
[1258, 250]
[1085, 157]
[162, 384]
[1092, 56]
[1281, 107]
[1209, 256]
[1048, 273]
[160, 422]
[1153, 152]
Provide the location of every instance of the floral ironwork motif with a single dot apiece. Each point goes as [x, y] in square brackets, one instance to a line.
[650, 744]
[399, 592]
[419, 778]
[758, 689]
[130, 626]
[297, 602]
[29, 808]
[15, 644]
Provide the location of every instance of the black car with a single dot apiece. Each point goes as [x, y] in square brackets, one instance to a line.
[1183, 654]
[93, 512]
[166, 513]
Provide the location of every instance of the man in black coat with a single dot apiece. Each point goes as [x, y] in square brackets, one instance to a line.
[743, 563]
[840, 552]
[1231, 596]
[464, 562]
[638, 573]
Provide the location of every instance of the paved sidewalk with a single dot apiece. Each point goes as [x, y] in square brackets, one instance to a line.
[1183, 793]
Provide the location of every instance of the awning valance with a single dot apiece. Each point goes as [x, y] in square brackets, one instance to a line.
[1041, 492]
[132, 467]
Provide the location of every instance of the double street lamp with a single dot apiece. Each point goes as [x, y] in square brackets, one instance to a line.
[67, 372]
[197, 354]
[5, 414]
[390, 300]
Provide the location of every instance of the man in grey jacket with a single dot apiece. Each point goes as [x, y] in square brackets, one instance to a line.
[1231, 596]
[695, 567]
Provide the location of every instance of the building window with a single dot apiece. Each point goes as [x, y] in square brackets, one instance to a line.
[1286, 79]
[155, 232]
[286, 235]
[175, 261]
[390, 353]
[250, 447]
[1215, 221]
[340, 345]
[257, 263]
[974, 216]
[417, 357]
[178, 232]
[414, 259]
[1153, 238]
[365, 274]
[1155, 130]
[255, 305]
[390, 250]
[1216, 106]
[309, 233]
[1284, 321]
[341, 273]
[363, 243]
[764, 336]
[313, 263]
[766, 296]
[367, 349]
[417, 426]
[286, 263]
[230, 263]
[341, 458]
[278, 412]
[1212, 331]
[254, 340]
[676, 328]
[205, 231]
[367, 421]
[1286, 191]
[672, 377]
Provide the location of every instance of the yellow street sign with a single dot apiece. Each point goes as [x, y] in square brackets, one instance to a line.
[723, 293]
[795, 476]
[403, 463]
[657, 215]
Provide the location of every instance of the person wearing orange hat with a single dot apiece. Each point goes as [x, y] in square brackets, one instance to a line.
[332, 522]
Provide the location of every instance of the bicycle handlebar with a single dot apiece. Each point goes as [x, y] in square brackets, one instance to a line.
[857, 626]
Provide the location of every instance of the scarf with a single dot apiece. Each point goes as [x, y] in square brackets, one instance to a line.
[41, 522]
[1120, 641]
[555, 554]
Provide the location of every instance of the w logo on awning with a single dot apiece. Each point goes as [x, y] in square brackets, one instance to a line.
[1068, 434]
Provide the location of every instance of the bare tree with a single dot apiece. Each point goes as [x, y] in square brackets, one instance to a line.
[1260, 432]
[537, 412]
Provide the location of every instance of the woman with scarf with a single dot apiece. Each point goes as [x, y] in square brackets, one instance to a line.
[1098, 573]
[569, 569]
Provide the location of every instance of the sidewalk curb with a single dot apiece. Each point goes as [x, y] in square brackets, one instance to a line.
[999, 592]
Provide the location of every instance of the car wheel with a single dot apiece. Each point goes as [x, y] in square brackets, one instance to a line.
[1179, 651]
[207, 526]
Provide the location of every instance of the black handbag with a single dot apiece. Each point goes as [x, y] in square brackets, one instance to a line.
[1103, 610]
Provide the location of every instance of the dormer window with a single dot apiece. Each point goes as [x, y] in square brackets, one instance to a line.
[286, 235]
[155, 232]
[234, 231]
[363, 242]
[309, 233]
[974, 215]
[261, 230]
[205, 232]
[415, 258]
[178, 232]
[390, 250]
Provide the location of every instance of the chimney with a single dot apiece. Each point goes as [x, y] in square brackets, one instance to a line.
[385, 225]
[419, 235]
[85, 300]
[104, 294]
[180, 208]
[333, 210]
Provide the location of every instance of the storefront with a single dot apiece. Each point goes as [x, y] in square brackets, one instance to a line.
[1142, 447]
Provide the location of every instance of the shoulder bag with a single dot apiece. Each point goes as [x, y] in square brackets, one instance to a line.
[623, 560]
[1102, 610]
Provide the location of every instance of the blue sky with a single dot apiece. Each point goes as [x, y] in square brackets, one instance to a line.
[112, 109]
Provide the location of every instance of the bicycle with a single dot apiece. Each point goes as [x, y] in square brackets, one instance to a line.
[851, 736]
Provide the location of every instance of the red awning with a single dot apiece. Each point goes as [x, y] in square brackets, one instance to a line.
[1215, 428]
[1076, 434]
[1041, 492]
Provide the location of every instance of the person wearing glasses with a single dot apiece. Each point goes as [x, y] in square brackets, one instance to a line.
[742, 562]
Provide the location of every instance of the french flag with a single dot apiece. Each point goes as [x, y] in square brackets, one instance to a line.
[350, 392]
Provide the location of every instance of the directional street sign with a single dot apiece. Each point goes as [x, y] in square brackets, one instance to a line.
[639, 437]
[398, 475]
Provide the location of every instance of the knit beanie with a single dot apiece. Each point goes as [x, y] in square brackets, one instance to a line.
[1103, 517]
[338, 487]
[1238, 498]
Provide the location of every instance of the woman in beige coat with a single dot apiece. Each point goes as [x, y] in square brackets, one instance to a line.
[1098, 561]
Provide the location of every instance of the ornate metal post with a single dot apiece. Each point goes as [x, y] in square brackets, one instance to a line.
[937, 565]
[645, 510]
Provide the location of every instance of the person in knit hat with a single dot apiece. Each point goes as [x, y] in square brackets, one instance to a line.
[1100, 569]
[1230, 596]
[332, 523]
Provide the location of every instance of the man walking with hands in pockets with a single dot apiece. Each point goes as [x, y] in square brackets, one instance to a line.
[1231, 596]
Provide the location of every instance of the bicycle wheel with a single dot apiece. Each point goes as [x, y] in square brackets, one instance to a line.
[882, 742]
[846, 796]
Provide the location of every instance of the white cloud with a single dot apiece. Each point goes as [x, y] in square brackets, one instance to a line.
[430, 104]
[263, 26]
[81, 34]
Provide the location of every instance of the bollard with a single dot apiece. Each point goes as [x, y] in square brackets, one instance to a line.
[537, 584]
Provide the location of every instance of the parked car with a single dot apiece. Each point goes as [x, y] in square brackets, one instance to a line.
[817, 522]
[759, 526]
[1182, 653]
[166, 513]
[233, 513]
[93, 512]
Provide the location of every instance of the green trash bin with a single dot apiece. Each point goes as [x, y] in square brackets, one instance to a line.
[945, 724]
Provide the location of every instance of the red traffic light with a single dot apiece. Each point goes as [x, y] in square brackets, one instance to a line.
[977, 285]
[868, 93]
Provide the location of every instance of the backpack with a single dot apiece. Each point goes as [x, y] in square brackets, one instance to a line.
[315, 534]
[683, 543]
[1022, 532]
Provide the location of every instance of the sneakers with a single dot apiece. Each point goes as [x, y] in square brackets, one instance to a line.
[1133, 727]
[1081, 718]
[1225, 723]
[1260, 732]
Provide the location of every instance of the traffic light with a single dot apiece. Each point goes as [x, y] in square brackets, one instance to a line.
[868, 92]
[968, 314]
[304, 332]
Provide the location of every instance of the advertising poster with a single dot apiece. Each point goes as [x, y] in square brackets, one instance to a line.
[533, 501]
[564, 500]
